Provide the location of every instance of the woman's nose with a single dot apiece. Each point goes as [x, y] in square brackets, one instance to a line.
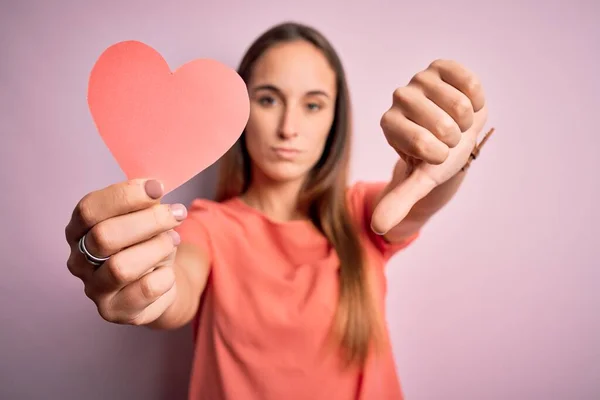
[288, 128]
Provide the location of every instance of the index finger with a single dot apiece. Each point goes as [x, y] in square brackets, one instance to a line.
[117, 199]
[461, 78]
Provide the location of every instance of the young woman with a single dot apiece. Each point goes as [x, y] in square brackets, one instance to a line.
[283, 274]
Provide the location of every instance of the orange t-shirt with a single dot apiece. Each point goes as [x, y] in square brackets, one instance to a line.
[263, 327]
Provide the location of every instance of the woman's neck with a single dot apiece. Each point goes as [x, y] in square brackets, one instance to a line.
[278, 201]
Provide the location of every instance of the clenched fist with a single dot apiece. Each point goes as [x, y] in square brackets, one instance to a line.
[433, 125]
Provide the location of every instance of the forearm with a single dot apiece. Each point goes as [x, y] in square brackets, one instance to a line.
[425, 208]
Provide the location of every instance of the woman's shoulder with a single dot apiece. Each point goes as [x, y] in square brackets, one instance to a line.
[362, 187]
[362, 195]
[202, 205]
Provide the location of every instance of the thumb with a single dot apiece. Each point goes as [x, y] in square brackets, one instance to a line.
[399, 200]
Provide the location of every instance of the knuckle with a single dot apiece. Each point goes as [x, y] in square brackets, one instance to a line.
[446, 131]
[401, 95]
[473, 85]
[149, 289]
[117, 270]
[421, 78]
[71, 261]
[67, 232]
[419, 145]
[461, 107]
[72, 265]
[386, 120]
[106, 311]
[444, 126]
[90, 293]
[426, 150]
[440, 156]
[388, 125]
[101, 236]
[111, 313]
[157, 283]
[437, 64]
[392, 143]
[422, 149]
[85, 211]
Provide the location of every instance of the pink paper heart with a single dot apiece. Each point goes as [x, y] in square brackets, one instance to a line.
[161, 124]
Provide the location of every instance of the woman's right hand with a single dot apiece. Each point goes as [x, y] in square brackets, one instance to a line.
[127, 223]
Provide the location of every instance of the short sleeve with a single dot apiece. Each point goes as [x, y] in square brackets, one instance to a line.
[362, 196]
[194, 228]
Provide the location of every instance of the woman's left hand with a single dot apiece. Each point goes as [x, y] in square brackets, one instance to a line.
[433, 124]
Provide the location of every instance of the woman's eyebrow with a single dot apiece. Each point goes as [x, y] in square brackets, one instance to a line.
[275, 89]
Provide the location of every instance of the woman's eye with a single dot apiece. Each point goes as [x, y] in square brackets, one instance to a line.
[266, 101]
[314, 107]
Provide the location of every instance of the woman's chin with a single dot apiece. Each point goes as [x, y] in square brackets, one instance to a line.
[286, 174]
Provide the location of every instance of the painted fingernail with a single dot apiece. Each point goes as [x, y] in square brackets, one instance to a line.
[179, 211]
[376, 231]
[154, 189]
[175, 237]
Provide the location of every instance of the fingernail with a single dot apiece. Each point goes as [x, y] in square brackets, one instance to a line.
[175, 237]
[376, 231]
[179, 211]
[154, 189]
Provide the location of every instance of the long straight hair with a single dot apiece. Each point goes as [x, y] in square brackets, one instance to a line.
[323, 197]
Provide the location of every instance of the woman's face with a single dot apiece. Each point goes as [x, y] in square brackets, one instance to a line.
[292, 104]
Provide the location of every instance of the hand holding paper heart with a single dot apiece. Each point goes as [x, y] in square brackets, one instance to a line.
[433, 124]
[161, 124]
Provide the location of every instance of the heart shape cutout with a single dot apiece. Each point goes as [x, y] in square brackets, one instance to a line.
[161, 124]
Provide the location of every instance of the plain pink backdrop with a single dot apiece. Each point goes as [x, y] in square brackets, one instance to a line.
[499, 299]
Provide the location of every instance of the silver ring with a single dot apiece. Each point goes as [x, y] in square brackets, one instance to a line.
[92, 259]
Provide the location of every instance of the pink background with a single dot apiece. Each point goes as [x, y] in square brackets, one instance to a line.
[498, 300]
